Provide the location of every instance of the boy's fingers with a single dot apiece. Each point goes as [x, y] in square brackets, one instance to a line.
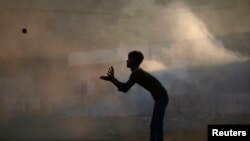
[111, 68]
[110, 72]
[102, 77]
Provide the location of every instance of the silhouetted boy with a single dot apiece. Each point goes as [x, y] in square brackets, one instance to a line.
[149, 82]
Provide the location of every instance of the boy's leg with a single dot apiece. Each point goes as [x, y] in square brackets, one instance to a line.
[160, 121]
[152, 125]
[157, 120]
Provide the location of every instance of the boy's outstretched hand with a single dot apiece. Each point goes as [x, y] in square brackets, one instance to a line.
[110, 74]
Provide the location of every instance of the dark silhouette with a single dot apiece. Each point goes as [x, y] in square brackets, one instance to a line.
[149, 82]
[24, 30]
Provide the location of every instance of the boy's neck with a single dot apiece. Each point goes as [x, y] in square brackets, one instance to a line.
[132, 69]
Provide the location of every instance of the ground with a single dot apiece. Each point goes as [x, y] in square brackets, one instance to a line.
[102, 129]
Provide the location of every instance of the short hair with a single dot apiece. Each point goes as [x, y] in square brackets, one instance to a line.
[137, 55]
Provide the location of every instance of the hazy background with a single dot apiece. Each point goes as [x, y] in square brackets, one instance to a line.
[49, 77]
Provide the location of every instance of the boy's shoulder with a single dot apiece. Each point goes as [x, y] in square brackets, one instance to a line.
[138, 72]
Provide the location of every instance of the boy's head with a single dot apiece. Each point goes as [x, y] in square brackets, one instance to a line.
[135, 58]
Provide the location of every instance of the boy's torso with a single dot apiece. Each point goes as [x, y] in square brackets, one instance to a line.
[149, 82]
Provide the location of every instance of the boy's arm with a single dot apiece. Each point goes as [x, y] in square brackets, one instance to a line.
[124, 87]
